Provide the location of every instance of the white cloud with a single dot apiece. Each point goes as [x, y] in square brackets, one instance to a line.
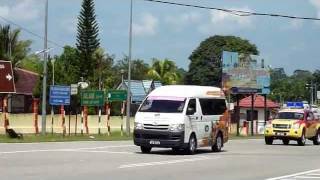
[146, 25]
[316, 4]
[22, 10]
[226, 22]
[183, 19]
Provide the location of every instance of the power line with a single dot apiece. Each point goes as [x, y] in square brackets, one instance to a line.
[234, 12]
[30, 32]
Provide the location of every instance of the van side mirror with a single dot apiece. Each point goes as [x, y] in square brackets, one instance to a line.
[190, 111]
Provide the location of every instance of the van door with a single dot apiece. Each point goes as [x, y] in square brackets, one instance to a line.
[212, 110]
[193, 115]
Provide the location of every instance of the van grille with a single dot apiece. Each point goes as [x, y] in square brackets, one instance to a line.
[156, 127]
[282, 126]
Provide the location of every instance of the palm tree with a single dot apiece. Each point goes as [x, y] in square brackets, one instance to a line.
[164, 71]
[10, 47]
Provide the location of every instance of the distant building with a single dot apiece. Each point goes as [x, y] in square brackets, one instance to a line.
[139, 90]
[21, 101]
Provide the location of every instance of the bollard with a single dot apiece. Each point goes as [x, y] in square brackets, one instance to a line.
[35, 114]
[86, 119]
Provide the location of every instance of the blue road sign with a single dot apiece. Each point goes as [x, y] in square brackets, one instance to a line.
[59, 95]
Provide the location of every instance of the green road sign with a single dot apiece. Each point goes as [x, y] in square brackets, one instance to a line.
[92, 98]
[116, 95]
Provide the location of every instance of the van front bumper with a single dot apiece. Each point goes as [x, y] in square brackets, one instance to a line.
[156, 138]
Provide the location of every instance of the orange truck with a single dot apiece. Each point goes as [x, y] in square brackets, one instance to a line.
[293, 124]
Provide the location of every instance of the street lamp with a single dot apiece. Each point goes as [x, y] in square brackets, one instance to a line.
[44, 88]
[129, 74]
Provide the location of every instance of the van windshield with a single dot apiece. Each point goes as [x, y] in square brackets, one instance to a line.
[290, 115]
[163, 104]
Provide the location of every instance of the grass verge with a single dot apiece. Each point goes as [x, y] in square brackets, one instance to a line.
[30, 138]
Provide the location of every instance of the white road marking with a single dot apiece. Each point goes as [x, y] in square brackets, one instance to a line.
[71, 149]
[307, 177]
[304, 174]
[165, 162]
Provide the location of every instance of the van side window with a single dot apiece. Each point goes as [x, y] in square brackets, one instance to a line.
[213, 106]
[192, 105]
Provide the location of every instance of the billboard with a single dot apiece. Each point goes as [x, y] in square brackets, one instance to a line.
[244, 73]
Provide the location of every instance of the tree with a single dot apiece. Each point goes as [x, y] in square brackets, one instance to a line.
[139, 69]
[87, 38]
[205, 66]
[165, 71]
[104, 73]
[11, 48]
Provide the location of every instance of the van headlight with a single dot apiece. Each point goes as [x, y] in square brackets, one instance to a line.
[138, 125]
[176, 127]
[296, 126]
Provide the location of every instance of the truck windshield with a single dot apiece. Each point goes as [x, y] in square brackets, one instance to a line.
[290, 115]
[163, 105]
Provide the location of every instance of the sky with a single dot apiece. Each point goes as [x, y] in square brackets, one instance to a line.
[166, 31]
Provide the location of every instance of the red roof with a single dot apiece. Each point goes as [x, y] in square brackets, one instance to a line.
[26, 81]
[258, 102]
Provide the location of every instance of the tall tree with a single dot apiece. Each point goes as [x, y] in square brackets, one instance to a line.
[87, 38]
[165, 71]
[205, 66]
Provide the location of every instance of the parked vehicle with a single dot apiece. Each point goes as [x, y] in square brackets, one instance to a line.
[293, 124]
[182, 117]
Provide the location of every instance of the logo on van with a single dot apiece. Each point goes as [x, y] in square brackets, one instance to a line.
[206, 128]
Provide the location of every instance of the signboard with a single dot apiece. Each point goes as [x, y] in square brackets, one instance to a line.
[116, 95]
[74, 89]
[92, 98]
[59, 95]
[295, 104]
[6, 77]
[244, 71]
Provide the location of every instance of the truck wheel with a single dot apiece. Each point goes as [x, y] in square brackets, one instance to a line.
[145, 150]
[316, 139]
[218, 144]
[285, 141]
[268, 140]
[302, 139]
[192, 145]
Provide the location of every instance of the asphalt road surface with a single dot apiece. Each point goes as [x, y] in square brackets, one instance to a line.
[240, 160]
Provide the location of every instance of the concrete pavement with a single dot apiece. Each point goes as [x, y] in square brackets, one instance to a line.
[240, 160]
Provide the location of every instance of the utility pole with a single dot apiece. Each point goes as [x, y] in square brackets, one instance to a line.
[129, 74]
[44, 82]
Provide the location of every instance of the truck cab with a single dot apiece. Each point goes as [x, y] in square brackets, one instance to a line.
[293, 124]
[182, 117]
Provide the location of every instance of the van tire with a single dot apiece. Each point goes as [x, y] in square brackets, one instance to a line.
[302, 139]
[145, 150]
[217, 147]
[316, 139]
[192, 145]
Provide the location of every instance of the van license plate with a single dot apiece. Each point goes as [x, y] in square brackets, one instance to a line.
[154, 142]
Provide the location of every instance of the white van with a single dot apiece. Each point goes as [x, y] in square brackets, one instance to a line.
[182, 117]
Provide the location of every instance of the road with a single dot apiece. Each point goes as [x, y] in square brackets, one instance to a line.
[240, 160]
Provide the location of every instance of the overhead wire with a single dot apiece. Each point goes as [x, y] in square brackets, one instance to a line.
[234, 12]
[30, 32]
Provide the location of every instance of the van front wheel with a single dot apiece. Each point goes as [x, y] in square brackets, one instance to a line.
[192, 145]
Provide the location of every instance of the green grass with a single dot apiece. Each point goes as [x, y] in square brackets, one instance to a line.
[29, 138]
